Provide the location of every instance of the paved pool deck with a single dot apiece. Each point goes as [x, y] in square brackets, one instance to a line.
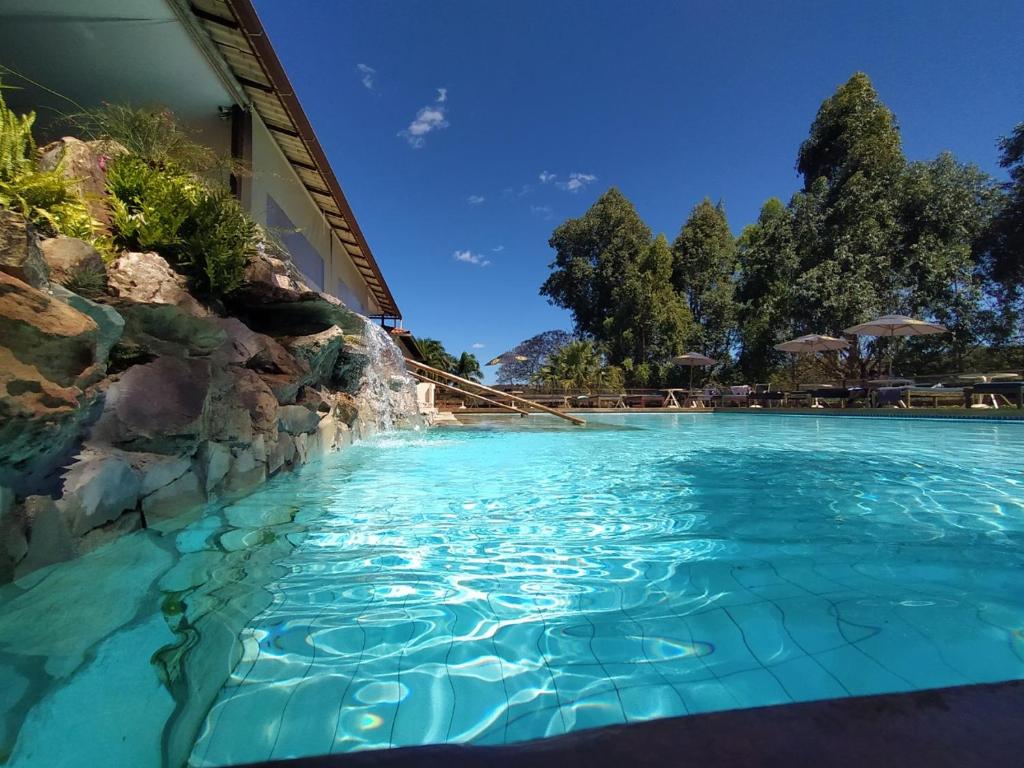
[983, 414]
[971, 726]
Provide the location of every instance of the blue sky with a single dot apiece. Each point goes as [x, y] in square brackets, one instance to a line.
[441, 117]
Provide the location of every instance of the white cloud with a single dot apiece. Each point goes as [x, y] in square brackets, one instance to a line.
[368, 75]
[511, 192]
[468, 257]
[544, 211]
[430, 118]
[577, 181]
[545, 177]
[475, 199]
[499, 249]
[478, 345]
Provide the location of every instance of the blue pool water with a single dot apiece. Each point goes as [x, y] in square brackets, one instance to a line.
[513, 581]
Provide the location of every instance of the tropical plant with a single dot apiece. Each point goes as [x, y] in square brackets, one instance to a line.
[468, 367]
[203, 231]
[577, 365]
[87, 280]
[435, 355]
[45, 198]
[152, 135]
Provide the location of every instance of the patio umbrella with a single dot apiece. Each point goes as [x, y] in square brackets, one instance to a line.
[896, 325]
[693, 360]
[500, 359]
[811, 343]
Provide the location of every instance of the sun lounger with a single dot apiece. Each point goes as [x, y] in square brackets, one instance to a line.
[1007, 391]
[737, 395]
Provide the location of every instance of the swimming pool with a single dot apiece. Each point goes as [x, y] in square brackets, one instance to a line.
[500, 583]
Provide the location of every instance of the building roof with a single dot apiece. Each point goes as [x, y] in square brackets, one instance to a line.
[238, 34]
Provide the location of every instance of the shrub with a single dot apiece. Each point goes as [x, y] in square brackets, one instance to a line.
[218, 237]
[46, 198]
[204, 232]
[152, 135]
[87, 280]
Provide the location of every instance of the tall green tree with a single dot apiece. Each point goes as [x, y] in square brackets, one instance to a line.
[593, 256]
[768, 266]
[468, 367]
[651, 322]
[704, 267]
[846, 218]
[435, 355]
[946, 208]
[1004, 261]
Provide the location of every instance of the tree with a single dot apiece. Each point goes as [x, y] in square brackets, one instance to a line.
[468, 367]
[945, 209]
[519, 364]
[768, 266]
[846, 220]
[703, 272]
[577, 365]
[435, 355]
[592, 255]
[650, 322]
[1004, 261]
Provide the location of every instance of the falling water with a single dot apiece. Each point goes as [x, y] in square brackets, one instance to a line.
[387, 394]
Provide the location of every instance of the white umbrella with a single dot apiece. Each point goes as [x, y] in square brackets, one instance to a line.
[809, 345]
[896, 325]
[693, 360]
[812, 342]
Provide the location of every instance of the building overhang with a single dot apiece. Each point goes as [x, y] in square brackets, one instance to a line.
[242, 42]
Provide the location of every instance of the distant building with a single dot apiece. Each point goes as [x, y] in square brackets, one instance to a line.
[211, 63]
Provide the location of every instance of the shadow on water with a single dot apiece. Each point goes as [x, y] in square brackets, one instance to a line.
[158, 615]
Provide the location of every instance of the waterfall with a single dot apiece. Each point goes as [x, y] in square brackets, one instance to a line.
[387, 393]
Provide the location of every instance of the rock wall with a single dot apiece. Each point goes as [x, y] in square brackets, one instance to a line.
[140, 402]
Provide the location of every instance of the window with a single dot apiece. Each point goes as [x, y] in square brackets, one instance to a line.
[305, 256]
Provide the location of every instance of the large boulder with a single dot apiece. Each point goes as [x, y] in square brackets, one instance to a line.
[98, 487]
[296, 419]
[319, 351]
[275, 298]
[84, 163]
[167, 329]
[241, 405]
[109, 324]
[47, 350]
[69, 258]
[20, 255]
[147, 278]
[161, 316]
[282, 371]
[45, 333]
[157, 407]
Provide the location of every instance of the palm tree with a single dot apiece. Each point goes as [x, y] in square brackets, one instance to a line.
[468, 367]
[577, 365]
[435, 355]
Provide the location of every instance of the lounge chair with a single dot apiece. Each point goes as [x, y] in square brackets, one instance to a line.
[763, 396]
[738, 395]
[1009, 391]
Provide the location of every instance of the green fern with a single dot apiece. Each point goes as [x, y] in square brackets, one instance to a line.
[46, 198]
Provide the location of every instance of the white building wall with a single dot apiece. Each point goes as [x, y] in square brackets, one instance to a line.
[273, 178]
